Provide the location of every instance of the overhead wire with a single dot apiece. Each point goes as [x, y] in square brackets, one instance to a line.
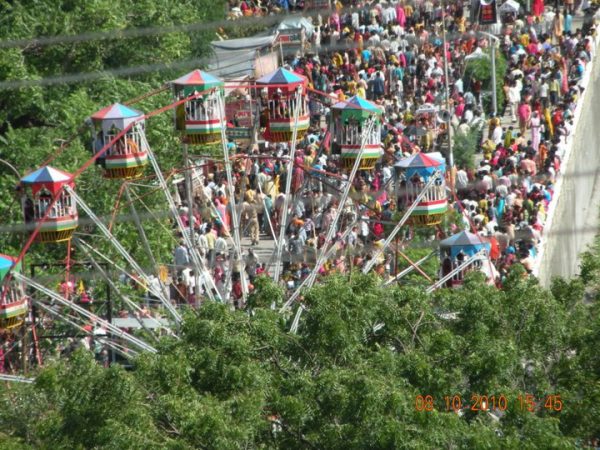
[129, 33]
[122, 71]
[178, 64]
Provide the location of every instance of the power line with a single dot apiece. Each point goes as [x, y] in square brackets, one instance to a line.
[128, 33]
[142, 32]
[180, 64]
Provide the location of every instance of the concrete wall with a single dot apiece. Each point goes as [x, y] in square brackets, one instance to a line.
[573, 217]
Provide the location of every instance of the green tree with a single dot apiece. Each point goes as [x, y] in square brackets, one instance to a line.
[481, 69]
[349, 378]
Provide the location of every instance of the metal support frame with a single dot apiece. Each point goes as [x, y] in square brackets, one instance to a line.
[400, 224]
[266, 211]
[110, 327]
[190, 201]
[112, 263]
[464, 265]
[165, 300]
[288, 186]
[237, 240]
[309, 281]
[196, 258]
[495, 41]
[15, 378]
[114, 287]
[296, 321]
[408, 270]
[127, 352]
[138, 225]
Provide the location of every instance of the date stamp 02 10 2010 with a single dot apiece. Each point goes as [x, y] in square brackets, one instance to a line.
[479, 402]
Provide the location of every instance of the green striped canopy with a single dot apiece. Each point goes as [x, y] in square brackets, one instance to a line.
[197, 80]
[356, 108]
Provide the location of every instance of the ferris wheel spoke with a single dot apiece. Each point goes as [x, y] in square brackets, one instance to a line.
[199, 266]
[61, 300]
[306, 282]
[72, 320]
[134, 307]
[121, 349]
[132, 262]
[85, 246]
[409, 269]
[140, 228]
[288, 182]
[309, 281]
[402, 221]
[480, 256]
[234, 210]
[152, 215]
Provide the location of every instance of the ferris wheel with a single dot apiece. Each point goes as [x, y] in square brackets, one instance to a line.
[52, 206]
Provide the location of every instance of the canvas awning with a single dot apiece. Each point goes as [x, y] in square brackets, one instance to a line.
[465, 242]
[236, 58]
[294, 23]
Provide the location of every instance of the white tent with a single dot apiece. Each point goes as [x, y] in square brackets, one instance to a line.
[294, 23]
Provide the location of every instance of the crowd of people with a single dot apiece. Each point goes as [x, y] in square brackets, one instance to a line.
[393, 54]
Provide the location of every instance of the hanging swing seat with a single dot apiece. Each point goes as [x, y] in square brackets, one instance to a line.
[12, 315]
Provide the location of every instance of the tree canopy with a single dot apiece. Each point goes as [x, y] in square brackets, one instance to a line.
[36, 120]
[349, 378]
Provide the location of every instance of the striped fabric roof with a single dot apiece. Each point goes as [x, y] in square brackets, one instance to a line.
[198, 78]
[46, 174]
[281, 76]
[116, 111]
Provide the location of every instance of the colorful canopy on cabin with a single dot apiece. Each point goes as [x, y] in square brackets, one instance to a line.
[281, 76]
[421, 163]
[356, 108]
[6, 262]
[465, 242]
[47, 177]
[118, 116]
[196, 80]
[116, 111]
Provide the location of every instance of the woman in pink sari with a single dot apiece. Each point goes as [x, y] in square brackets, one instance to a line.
[400, 16]
[223, 216]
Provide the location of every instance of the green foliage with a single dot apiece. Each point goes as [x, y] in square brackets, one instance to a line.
[36, 120]
[464, 147]
[348, 379]
[481, 69]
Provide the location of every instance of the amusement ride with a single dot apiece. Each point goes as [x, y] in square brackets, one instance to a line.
[53, 210]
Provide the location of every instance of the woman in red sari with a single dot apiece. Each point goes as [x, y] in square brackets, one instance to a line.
[538, 8]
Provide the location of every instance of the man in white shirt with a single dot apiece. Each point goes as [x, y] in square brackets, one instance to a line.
[462, 180]
[221, 246]
[458, 86]
[202, 244]
[497, 135]
[514, 97]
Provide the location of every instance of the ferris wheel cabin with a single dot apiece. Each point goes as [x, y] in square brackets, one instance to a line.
[127, 157]
[56, 221]
[412, 175]
[348, 122]
[455, 250]
[278, 100]
[13, 302]
[199, 120]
